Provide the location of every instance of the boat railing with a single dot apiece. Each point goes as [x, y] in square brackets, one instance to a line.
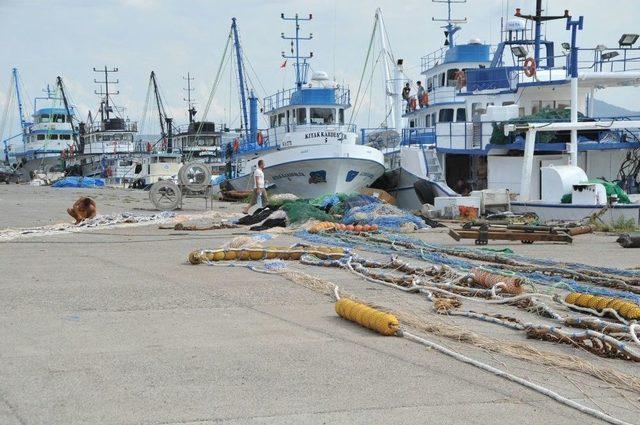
[120, 127]
[469, 136]
[418, 136]
[283, 98]
[438, 57]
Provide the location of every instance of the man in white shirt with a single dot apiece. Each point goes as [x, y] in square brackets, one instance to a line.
[258, 187]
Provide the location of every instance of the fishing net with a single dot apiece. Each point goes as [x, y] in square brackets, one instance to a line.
[545, 115]
[385, 216]
[333, 199]
[300, 211]
[280, 198]
[611, 188]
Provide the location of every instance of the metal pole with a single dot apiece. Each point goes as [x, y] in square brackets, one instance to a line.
[527, 165]
[574, 26]
[243, 96]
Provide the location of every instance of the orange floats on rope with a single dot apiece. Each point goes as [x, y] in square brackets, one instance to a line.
[412, 103]
[529, 67]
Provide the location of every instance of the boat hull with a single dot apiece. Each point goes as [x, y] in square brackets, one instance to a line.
[313, 171]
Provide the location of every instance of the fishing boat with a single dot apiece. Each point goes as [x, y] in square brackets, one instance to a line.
[308, 149]
[109, 148]
[481, 104]
[44, 138]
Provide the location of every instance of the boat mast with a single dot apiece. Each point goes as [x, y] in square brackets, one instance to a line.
[24, 125]
[191, 109]
[165, 121]
[105, 108]
[67, 107]
[538, 19]
[241, 82]
[452, 23]
[574, 26]
[388, 63]
[301, 67]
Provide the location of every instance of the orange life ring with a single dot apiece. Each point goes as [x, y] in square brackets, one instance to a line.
[425, 99]
[412, 103]
[236, 145]
[529, 67]
[260, 138]
[461, 79]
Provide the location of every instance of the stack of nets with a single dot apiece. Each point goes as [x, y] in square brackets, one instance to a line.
[386, 216]
[300, 211]
[280, 198]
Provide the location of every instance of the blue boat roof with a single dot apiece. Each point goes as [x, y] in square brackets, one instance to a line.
[333, 96]
[51, 111]
[474, 52]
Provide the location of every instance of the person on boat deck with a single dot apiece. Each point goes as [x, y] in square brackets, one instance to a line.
[462, 187]
[420, 94]
[406, 95]
[258, 187]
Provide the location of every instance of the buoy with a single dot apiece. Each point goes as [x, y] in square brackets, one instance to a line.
[627, 309]
[529, 67]
[376, 320]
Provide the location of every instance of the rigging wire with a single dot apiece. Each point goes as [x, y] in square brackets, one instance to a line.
[364, 69]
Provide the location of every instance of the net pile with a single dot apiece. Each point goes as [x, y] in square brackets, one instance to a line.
[385, 216]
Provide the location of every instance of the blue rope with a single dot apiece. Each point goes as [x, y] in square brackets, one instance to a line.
[439, 254]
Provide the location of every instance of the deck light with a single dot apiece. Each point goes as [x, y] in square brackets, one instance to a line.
[609, 56]
[519, 51]
[628, 40]
[566, 46]
[601, 48]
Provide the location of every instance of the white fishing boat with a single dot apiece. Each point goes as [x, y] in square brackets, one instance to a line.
[308, 148]
[473, 90]
[44, 140]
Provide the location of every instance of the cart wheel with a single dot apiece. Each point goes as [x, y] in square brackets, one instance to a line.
[165, 195]
[195, 176]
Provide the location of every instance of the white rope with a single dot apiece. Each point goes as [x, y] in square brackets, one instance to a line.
[592, 311]
[542, 390]
[632, 331]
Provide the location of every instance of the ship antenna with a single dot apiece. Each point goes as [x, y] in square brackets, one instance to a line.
[301, 61]
[191, 107]
[452, 23]
[105, 108]
[538, 19]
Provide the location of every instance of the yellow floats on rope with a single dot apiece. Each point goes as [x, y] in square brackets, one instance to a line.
[362, 314]
[627, 309]
[267, 253]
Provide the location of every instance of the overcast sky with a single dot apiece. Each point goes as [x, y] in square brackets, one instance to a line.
[46, 38]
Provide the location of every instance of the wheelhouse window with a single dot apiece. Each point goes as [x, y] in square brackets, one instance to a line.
[461, 115]
[451, 77]
[446, 115]
[322, 116]
[44, 118]
[65, 136]
[52, 137]
[40, 136]
[58, 118]
[341, 115]
[302, 115]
